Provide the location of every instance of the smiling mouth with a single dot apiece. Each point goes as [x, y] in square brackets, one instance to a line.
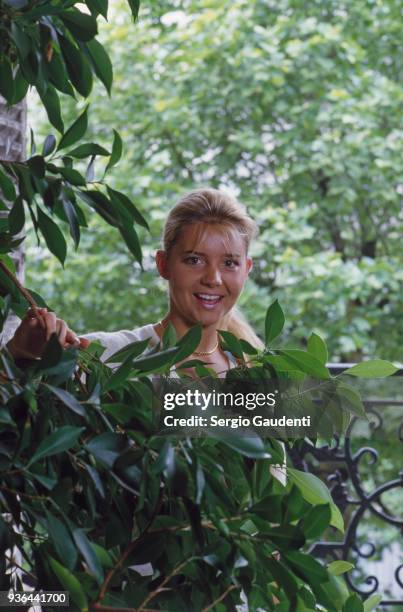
[208, 300]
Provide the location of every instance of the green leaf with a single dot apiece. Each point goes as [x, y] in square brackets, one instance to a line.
[30, 69]
[53, 236]
[70, 583]
[307, 567]
[104, 557]
[131, 238]
[130, 350]
[58, 75]
[77, 66]
[316, 520]
[274, 322]
[134, 7]
[57, 442]
[20, 87]
[51, 102]
[351, 400]
[52, 354]
[101, 63]
[315, 492]
[87, 149]
[249, 447]
[7, 187]
[46, 481]
[372, 602]
[91, 559]
[317, 348]
[49, 145]
[119, 376]
[6, 79]
[16, 217]
[247, 348]
[155, 361]
[127, 210]
[81, 25]
[21, 40]
[68, 400]
[374, 368]
[169, 338]
[75, 131]
[232, 343]
[353, 604]
[71, 215]
[102, 205]
[188, 343]
[72, 176]
[305, 362]
[336, 568]
[117, 148]
[281, 574]
[98, 7]
[90, 172]
[332, 593]
[37, 166]
[61, 541]
[96, 479]
[6, 539]
[107, 447]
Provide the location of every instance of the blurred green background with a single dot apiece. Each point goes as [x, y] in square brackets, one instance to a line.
[293, 107]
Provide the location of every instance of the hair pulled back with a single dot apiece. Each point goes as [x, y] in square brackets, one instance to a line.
[211, 206]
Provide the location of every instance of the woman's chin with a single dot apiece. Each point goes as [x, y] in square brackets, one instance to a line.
[207, 318]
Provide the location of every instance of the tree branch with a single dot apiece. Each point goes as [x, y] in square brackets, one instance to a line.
[223, 596]
[129, 549]
[24, 292]
[158, 590]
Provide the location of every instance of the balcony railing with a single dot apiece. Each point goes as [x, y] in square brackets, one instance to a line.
[362, 471]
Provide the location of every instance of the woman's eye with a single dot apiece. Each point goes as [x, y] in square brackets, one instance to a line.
[231, 263]
[192, 259]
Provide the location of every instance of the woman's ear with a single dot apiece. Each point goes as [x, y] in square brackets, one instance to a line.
[249, 264]
[161, 260]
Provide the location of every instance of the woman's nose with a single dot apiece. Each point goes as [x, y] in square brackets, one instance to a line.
[212, 276]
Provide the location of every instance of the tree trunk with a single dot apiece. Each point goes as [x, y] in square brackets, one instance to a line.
[13, 121]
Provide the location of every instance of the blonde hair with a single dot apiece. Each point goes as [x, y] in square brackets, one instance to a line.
[211, 206]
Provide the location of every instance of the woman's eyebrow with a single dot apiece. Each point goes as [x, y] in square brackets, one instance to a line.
[204, 254]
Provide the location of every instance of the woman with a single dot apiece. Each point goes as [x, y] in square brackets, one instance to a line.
[205, 261]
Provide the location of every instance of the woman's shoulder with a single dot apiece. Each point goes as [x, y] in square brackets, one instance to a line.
[114, 341]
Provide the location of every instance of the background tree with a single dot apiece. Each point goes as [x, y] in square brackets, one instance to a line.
[13, 125]
[293, 107]
[52, 49]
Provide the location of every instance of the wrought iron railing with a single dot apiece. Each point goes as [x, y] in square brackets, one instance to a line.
[368, 516]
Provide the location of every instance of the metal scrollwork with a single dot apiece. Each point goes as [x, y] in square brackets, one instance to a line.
[343, 469]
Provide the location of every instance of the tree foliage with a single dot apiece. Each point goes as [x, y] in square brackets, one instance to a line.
[117, 514]
[295, 108]
[53, 49]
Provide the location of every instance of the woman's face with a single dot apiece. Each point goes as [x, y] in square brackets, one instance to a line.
[206, 269]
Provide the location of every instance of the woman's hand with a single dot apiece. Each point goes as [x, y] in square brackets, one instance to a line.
[34, 332]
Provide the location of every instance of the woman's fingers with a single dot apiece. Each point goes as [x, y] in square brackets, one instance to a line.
[40, 318]
[51, 324]
[71, 338]
[61, 330]
[36, 315]
[84, 343]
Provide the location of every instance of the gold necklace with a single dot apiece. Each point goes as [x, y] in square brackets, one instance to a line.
[205, 353]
